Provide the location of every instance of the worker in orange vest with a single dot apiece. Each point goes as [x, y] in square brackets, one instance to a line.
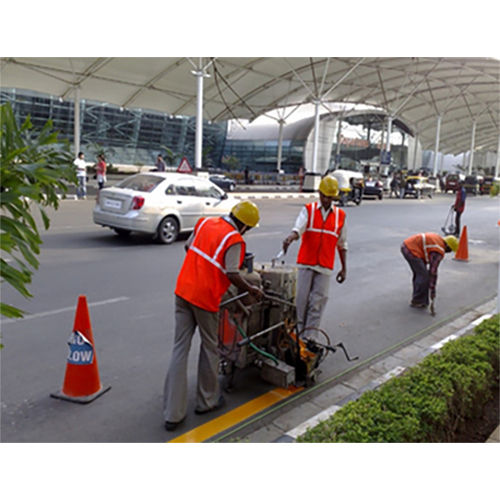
[214, 255]
[424, 252]
[322, 228]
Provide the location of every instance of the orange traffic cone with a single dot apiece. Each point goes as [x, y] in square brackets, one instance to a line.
[463, 246]
[81, 381]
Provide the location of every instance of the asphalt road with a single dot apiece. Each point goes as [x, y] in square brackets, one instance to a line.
[129, 287]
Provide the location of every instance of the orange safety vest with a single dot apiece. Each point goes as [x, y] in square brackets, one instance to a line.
[421, 245]
[202, 280]
[320, 237]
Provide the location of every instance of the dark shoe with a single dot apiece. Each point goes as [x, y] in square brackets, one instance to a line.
[220, 404]
[171, 426]
[417, 305]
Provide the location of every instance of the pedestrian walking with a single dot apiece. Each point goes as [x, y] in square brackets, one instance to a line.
[459, 206]
[160, 164]
[81, 175]
[424, 252]
[101, 171]
[395, 186]
[322, 227]
[214, 255]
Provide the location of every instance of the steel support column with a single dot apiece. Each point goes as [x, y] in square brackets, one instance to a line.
[497, 164]
[339, 139]
[389, 131]
[316, 137]
[198, 145]
[280, 144]
[436, 149]
[472, 146]
[415, 147]
[76, 125]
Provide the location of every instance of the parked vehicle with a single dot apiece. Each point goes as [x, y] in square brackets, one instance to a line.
[418, 186]
[373, 187]
[351, 185]
[160, 204]
[223, 182]
[452, 182]
[472, 184]
[487, 184]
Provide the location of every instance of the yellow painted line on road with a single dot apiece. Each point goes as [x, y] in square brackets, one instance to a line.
[233, 417]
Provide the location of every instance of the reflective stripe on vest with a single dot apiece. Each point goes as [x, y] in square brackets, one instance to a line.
[429, 247]
[202, 280]
[422, 244]
[208, 258]
[319, 240]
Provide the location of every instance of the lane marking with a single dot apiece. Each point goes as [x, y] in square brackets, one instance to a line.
[233, 417]
[64, 309]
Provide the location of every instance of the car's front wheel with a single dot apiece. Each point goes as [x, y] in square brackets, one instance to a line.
[231, 187]
[168, 230]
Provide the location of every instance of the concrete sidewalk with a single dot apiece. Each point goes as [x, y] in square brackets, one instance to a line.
[319, 403]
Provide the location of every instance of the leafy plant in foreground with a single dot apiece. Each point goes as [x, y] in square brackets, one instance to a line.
[34, 166]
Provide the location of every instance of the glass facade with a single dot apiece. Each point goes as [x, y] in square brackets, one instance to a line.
[128, 136]
[262, 155]
[137, 136]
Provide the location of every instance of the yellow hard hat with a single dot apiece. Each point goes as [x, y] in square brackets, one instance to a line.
[329, 186]
[452, 242]
[246, 212]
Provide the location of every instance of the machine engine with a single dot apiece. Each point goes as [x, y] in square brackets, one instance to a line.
[263, 333]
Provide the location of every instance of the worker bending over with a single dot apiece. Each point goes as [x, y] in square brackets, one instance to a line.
[322, 228]
[215, 253]
[424, 252]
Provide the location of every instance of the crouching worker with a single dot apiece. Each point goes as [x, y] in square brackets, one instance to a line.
[215, 253]
[424, 252]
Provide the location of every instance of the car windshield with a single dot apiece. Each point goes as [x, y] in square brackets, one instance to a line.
[144, 183]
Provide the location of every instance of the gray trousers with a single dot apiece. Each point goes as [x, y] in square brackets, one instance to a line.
[311, 298]
[187, 318]
[420, 278]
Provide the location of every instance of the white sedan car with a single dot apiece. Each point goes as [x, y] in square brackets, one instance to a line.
[160, 204]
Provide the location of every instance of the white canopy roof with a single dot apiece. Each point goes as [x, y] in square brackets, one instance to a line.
[415, 89]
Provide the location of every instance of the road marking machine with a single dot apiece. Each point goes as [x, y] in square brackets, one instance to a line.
[263, 333]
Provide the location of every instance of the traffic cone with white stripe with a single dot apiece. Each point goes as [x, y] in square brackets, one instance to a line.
[463, 247]
[81, 381]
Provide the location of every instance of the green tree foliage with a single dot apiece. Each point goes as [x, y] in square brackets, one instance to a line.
[34, 166]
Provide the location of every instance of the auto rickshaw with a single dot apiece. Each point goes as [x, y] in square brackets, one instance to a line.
[417, 186]
[351, 186]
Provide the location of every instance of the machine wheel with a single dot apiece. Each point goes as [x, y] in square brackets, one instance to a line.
[122, 232]
[168, 230]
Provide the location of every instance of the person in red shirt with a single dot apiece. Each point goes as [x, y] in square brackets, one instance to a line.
[101, 171]
[214, 255]
[459, 206]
